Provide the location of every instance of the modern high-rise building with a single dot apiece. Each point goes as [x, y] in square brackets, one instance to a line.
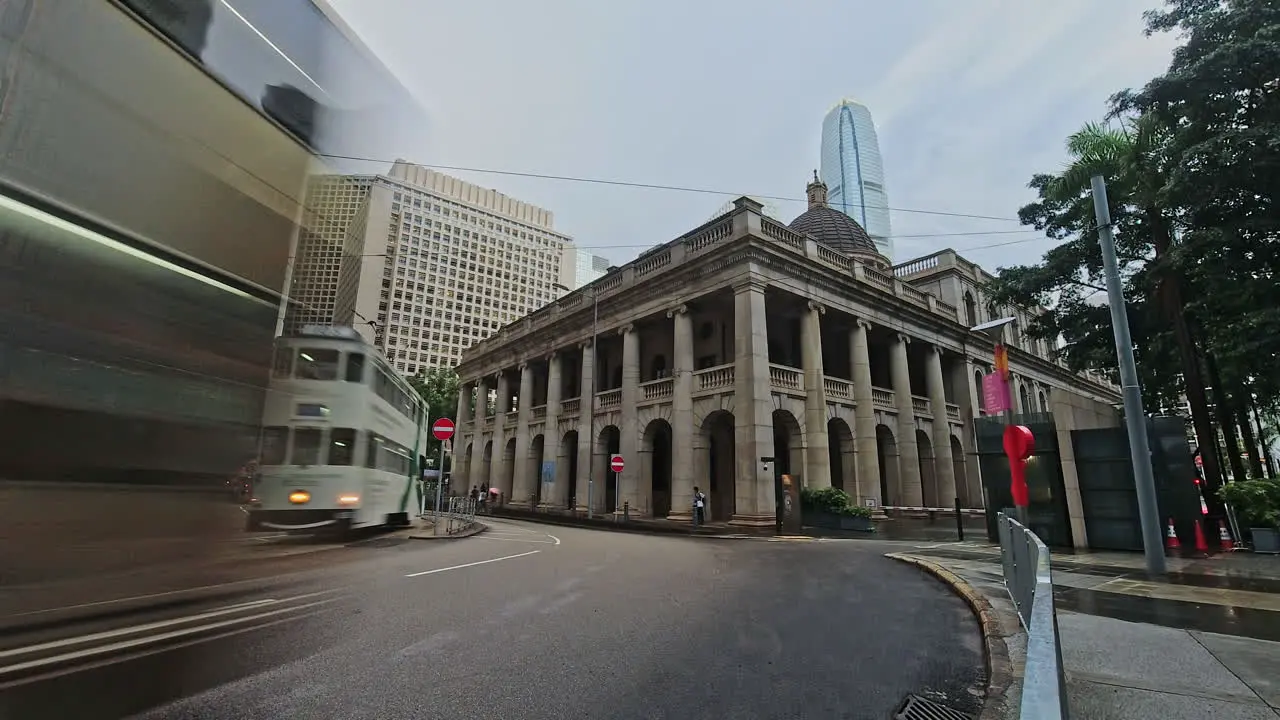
[854, 172]
[424, 264]
[585, 268]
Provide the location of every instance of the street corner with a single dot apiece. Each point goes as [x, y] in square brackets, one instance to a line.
[999, 667]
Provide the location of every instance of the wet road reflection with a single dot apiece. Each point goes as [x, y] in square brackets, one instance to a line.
[1206, 617]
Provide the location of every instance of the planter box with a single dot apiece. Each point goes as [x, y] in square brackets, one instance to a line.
[831, 521]
[1266, 540]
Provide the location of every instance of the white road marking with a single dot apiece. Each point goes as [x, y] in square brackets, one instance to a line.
[147, 627]
[519, 540]
[473, 564]
[553, 537]
[148, 639]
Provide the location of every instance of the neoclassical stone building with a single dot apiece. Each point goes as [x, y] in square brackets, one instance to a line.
[740, 351]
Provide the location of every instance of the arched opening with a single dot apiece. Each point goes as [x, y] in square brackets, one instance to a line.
[718, 479]
[928, 473]
[537, 463]
[788, 448]
[977, 382]
[566, 472]
[507, 482]
[486, 465]
[655, 466]
[460, 478]
[1044, 404]
[957, 470]
[970, 309]
[1024, 402]
[841, 455]
[608, 444]
[887, 452]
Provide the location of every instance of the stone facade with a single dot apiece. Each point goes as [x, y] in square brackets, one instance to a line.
[738, 352]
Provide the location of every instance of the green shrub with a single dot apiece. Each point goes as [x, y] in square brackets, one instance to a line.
[1257, 500]
[831, 500]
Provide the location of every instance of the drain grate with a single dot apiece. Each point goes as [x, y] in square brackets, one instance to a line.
[918, 708]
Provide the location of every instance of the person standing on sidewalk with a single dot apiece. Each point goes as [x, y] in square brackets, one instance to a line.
[699, 507]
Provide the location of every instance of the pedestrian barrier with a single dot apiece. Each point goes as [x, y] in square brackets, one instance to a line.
[1028, 577]
[454, 517]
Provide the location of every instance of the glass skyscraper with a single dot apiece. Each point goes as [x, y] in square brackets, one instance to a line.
[853, 171]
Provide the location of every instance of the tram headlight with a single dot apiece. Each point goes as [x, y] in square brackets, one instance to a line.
[299, 497]
[349, 499]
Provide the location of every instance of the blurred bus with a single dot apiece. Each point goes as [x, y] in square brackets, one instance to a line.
[153, 161]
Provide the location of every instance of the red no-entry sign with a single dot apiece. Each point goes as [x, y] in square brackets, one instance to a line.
[442, 429]
[616, 464]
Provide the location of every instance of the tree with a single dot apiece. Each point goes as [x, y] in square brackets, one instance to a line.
[439, 387]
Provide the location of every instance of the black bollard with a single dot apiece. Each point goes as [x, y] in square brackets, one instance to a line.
[959, 521]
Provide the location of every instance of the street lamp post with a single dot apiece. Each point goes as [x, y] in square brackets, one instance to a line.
[1134, 416]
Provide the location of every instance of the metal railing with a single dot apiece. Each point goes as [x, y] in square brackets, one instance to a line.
[1028, 577]
[455, 516]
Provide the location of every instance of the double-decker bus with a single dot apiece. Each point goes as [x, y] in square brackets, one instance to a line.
[342, 432]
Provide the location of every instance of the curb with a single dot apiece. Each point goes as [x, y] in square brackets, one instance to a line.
[995, 651]
[624, 527]
[475, 529]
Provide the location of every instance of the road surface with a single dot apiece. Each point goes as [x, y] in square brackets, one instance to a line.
[530, 621]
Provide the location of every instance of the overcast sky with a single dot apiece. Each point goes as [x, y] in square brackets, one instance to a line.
[971, 97]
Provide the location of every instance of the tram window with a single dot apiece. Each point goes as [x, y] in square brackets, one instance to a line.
[275, 441]
[282, 365]
[317, 364]
[355, 367]
[306, 446]
[371, 451]
[342, 446]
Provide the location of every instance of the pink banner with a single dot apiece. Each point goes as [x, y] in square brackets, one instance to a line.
[995, 394]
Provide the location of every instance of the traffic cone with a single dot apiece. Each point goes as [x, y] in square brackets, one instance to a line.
[1202, 545]
[1171, 538]
[1224, 539]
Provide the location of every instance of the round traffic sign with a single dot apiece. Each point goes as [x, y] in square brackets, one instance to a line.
[442, 429]
[616, 464]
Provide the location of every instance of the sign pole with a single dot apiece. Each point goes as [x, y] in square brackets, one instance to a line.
[442, 429]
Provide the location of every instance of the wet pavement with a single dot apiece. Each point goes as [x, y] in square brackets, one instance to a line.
[1200, 641]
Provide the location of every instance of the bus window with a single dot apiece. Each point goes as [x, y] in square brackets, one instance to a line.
[355, 367]
[317, 364]
[306, 446]
[282, 365]
[342, 446]
[275, 440]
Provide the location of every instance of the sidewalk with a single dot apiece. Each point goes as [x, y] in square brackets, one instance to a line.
[1199, 642]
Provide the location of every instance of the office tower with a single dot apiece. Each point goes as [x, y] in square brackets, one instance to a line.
[423, 264]
[583, 268]
[853, 171]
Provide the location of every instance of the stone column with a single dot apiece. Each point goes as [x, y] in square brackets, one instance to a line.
[755, 502]
[588, 483]
[817, 452]
[522, 483]
[498, 463]
[912, 493]
[556, 495]
[476, 467]
[682, 429]
[629, 447]
[943, 469]
[460, 438]
[864, 432]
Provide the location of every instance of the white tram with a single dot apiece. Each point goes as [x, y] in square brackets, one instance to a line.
[341, 437]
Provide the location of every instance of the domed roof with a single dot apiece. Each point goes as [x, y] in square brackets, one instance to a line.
[834, 229]
[830, 226]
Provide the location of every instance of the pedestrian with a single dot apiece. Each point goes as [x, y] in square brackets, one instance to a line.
[699, 507]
